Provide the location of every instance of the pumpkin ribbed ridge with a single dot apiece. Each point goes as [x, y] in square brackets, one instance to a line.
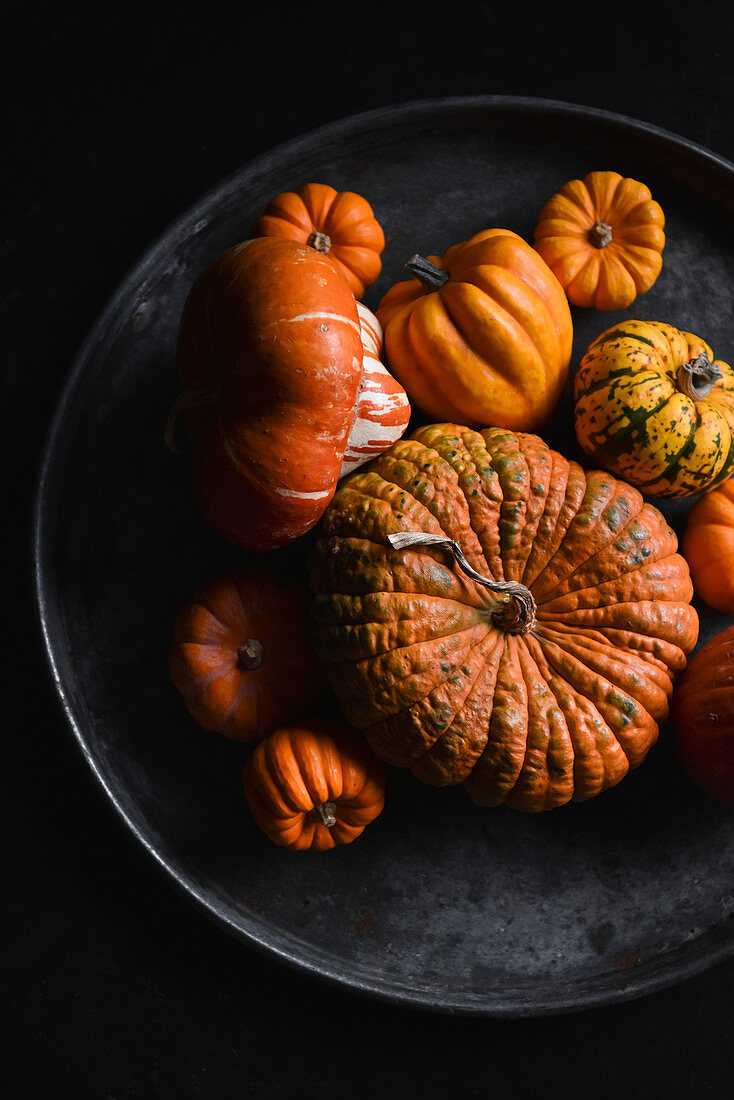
[417, 659]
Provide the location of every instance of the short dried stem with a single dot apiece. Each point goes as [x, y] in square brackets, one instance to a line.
[697, 378]
[320, 241]
[250, 654]
[324, 813]
[600, 234]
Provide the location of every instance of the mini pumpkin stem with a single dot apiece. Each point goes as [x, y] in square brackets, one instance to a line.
[250, 654]
[515, 614]
[600, 234]
[205, 393]
[320, 241]
[698, 377]
[428, 275]
[325, 813]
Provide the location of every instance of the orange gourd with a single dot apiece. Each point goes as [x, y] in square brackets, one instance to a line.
[314, 785]
[270, 363]
[482, 334]
[340, 224]
[603, 239]
[283, 390]
[708, 545]
[703, 713]
[493, 615]
[242, 654]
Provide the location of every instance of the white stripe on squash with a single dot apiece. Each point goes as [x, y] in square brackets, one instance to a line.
[325, 317]
[382, 410]
[294, 494]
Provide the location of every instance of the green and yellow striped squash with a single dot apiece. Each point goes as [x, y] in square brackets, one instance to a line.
[654, 407]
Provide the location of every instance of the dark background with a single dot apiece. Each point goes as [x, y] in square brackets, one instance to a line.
[117, 118]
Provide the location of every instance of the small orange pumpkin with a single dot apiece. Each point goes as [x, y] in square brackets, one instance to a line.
[341, 224]
[242, 655]
[708, 545]
[703, 712]
[603, 239]
[314, 785]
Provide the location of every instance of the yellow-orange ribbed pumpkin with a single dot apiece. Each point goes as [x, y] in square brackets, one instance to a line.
[481, 334]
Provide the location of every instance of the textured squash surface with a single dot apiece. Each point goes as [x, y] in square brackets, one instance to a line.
[420, 655]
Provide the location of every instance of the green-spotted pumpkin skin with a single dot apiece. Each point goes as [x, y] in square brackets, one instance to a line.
[654, 407]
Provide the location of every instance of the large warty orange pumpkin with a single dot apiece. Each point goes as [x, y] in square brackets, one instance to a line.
[528, 650]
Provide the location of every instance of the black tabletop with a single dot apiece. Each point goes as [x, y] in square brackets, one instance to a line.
[117, 118]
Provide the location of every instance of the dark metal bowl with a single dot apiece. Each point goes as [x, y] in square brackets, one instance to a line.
[440, 904]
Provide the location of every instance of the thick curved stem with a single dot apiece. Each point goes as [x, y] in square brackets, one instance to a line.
[516, 613]
[697, 378]
[428, 275]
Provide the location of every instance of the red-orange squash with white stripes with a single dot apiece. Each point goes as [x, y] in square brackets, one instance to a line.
[708, 546]
[382, 409]
[278, 386]
[493, 615]
[271, 356]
